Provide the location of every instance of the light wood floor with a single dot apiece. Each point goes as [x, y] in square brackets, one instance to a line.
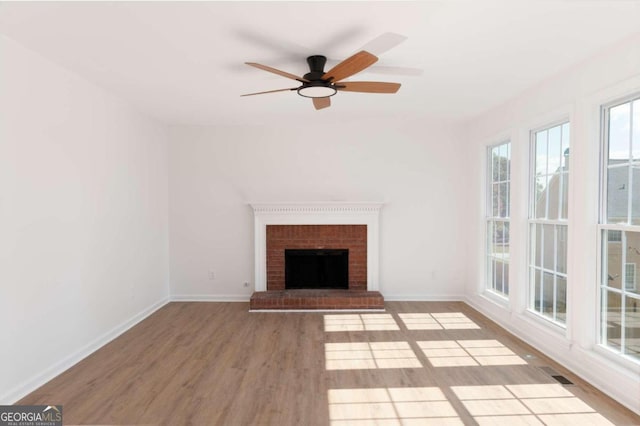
[217, 364]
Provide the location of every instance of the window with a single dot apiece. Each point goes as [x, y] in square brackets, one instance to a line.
[615, 236]
[498, 188]
[630, 276]
[620, 228]
[548, 226]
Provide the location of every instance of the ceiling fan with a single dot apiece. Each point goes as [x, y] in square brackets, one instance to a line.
[320, 85]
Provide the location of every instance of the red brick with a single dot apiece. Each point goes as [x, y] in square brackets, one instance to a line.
[351, 237]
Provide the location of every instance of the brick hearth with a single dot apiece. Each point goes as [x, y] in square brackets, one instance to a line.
[316, 299]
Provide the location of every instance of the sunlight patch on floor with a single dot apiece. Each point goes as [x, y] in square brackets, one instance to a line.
[457, 353]
[359, 322]
[437, 321]
[534, 404]
[370, 355]
[391, 406]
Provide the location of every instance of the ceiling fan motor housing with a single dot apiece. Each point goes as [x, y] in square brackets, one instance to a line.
[316, 67]
[316, 87]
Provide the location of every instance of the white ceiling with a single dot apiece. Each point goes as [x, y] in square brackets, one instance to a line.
[183, 62]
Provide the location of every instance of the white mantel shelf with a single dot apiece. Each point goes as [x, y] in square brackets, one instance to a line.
[316, 213]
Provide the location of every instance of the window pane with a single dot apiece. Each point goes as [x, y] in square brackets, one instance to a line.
[537, 286]
[495, 164]
[561, 260]
[497, 238]
[505, 279]
[612, 252]
[611, 319]
[541, 153]
[508, 199]
[495, 199]
[566, 137]
[547, 246]
[499, 274]
[491, 271]
[564, 198]
[617, 194]
[541, 197]
[538, 245]
[490, 232]
[619, 132]
[547, 294]
[561, 299]
[505, 237]
[635, 196]
[554, 150]
[632, 327]
[508, 165]
[553, 197]
[636, 129]
[632, 262]
[504, 200]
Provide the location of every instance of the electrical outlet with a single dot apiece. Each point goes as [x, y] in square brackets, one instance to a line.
[246, 284]
[212, 275]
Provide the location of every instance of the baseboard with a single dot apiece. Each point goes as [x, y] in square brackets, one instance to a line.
[40, 379]
[209, 297]
[245, 298]
[422, 298]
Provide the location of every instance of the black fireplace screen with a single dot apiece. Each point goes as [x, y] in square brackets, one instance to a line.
[316, 268]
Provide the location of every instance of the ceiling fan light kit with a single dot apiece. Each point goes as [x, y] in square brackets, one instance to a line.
[320, 85]
[317, 89]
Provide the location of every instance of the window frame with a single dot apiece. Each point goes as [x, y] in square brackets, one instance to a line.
[491, 220]
[534, 222]
[604, 226]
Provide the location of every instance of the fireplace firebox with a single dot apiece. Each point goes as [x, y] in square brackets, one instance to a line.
[316, 268]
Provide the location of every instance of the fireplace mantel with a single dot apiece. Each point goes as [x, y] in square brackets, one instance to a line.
[316, 213]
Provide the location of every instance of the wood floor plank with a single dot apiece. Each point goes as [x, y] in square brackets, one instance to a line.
[218, 364]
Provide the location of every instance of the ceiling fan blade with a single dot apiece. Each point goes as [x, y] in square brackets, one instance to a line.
[383, 43]
[269, 91]
[369, 87]
[408, 71]
[386, 70]
[350, 66]
[320, 103]
[275, 71]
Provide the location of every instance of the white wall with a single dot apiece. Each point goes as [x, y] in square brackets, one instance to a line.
[83, 219]
[576, 94]
[415, 168]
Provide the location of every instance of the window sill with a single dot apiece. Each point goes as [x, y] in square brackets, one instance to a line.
[617, 358]
[496, 298]
[560, 329]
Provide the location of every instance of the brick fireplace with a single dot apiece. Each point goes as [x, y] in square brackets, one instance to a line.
[339, 226]
[350, 237]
